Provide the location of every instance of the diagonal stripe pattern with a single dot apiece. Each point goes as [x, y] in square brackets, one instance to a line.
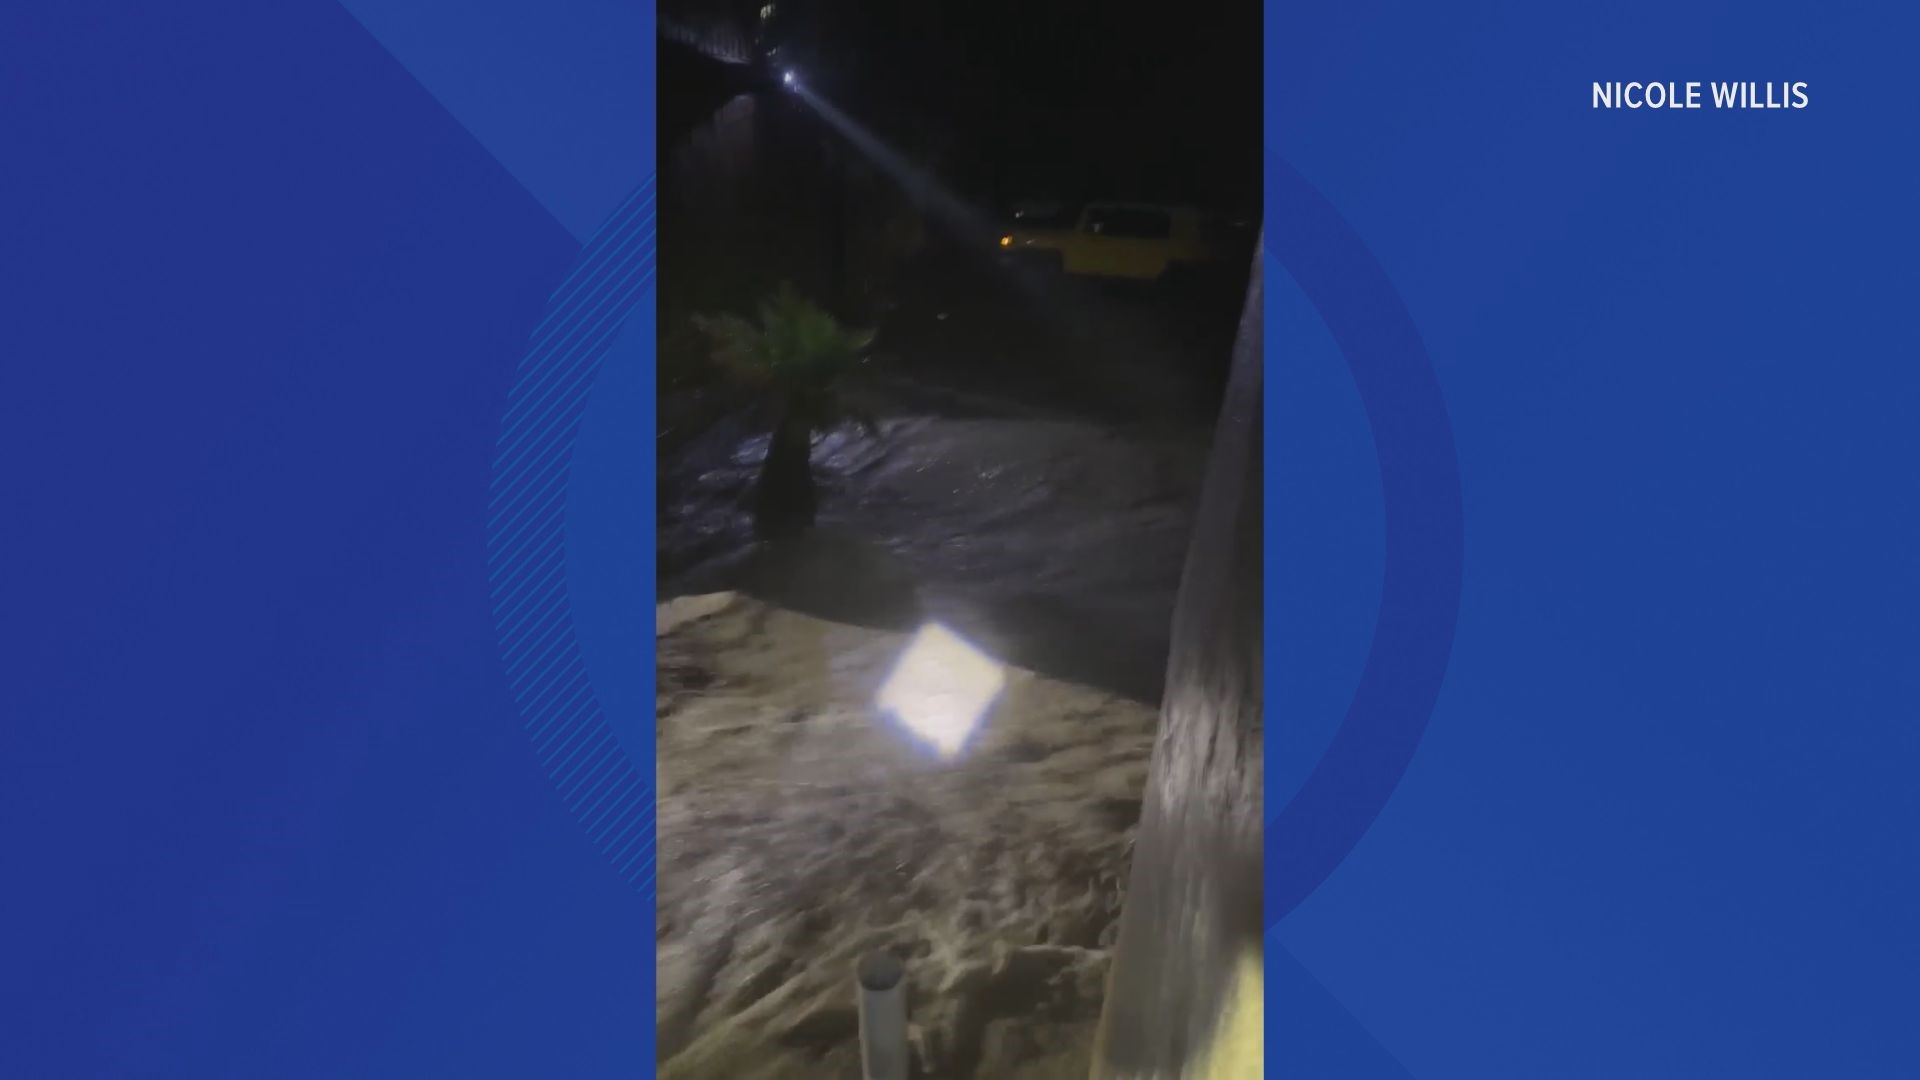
[526, 540]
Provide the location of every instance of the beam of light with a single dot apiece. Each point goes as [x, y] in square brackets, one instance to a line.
[927, 190]
[941, 688]
[1065, 303]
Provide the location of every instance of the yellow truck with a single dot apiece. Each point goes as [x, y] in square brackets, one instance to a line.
[1128, 241]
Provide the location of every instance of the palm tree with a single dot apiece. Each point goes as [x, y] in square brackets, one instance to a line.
[795, 360]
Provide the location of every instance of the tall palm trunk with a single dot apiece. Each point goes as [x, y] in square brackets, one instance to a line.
[1184, 996]
[783, 497]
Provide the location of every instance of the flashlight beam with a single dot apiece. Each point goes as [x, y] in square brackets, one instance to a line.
[964, 218]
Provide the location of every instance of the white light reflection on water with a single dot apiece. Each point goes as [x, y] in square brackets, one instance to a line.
[941, 688]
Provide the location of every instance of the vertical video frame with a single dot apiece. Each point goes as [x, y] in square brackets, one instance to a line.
[959, 639]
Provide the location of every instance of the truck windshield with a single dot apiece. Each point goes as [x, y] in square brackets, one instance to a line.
[1131, 222]
[1045, 217]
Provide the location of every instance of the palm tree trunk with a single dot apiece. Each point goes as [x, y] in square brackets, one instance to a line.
[783, 496]
[1184, 994]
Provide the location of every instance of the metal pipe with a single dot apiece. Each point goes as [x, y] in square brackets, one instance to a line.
[880, 981]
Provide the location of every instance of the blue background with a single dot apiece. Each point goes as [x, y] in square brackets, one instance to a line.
[265, 803]
[1660, 824]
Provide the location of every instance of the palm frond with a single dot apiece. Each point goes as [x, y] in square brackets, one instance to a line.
[793, 346]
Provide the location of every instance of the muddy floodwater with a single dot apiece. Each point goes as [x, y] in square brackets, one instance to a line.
[799, 825]
[800, 828]
[1031, 492]
[1052, 544]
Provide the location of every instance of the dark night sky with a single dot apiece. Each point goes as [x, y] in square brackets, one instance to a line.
[1104, 100]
